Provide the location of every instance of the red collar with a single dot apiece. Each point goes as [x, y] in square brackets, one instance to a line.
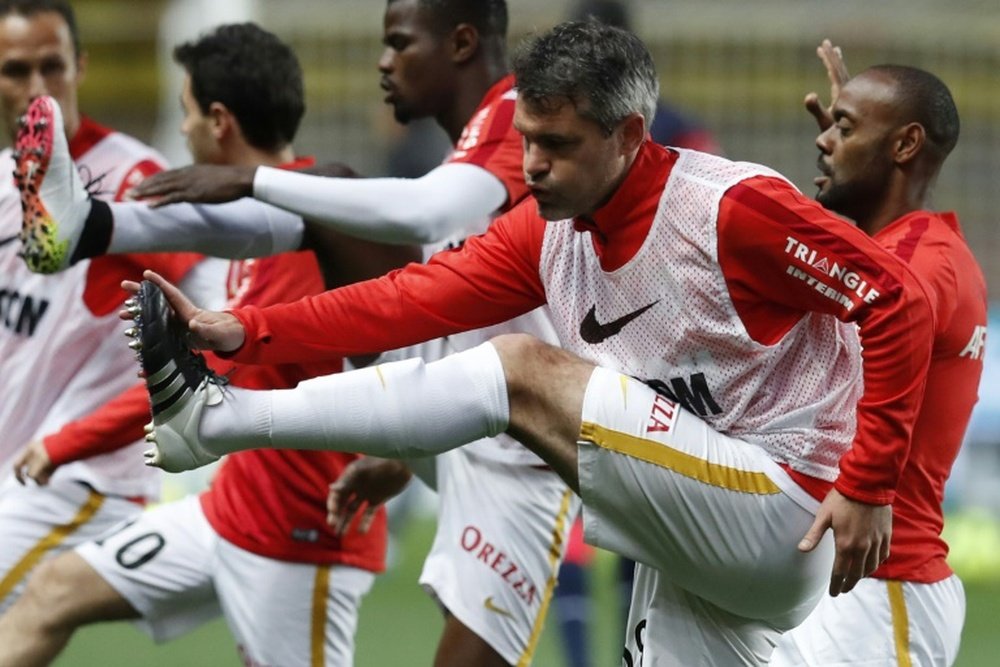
[87, 136]
[620, 226]
[501, 87]
[949, 218]
[298, 163]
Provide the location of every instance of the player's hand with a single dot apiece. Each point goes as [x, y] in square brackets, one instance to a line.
[200, 183]
[836, 71]
[207, 329]
[861, 535]
[34, 462]
[362, 488]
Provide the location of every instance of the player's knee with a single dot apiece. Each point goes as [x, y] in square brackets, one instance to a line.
[533, 367]
[522, 356]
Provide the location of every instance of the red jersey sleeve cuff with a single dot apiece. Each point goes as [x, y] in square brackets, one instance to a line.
[256, 333]
[59, 448]
[864, 495]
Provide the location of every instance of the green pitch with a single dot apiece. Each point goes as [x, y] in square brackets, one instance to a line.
[399, 626]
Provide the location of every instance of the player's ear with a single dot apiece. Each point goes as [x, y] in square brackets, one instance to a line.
[633, 132]
[909, 142]
[81, 67]
[464, 43]
[221, 120]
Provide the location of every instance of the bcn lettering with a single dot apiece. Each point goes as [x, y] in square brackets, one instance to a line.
[472, 541]
[21, 313]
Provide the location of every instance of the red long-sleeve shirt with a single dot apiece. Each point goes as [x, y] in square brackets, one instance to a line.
[933, 246]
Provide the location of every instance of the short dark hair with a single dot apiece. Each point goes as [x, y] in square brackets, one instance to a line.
[29, 8]
[488, 17]
[925, 99]
[254, 74]
[606, 72]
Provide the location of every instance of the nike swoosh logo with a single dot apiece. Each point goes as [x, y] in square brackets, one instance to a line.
[495, 609]
[7, 240]
[594, 332]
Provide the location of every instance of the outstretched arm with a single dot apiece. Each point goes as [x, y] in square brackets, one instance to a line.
[208, 329]
[388, 210]
[491, 279]
[117, 424]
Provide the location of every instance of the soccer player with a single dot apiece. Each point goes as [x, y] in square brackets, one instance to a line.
[882, 144]
[726, 427]
[255, 547]
[670, 127]
[56, 362]
[492, 566]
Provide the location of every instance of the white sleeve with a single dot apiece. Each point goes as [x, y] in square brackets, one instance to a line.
[388, 210]
[239, 229]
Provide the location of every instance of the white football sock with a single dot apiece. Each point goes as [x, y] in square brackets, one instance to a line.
[240, 229]
[402, 409]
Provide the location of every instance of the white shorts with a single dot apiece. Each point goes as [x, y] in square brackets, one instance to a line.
[178, 573]
[501, 536]
[880, 623]
[37, 522]
[712, 521]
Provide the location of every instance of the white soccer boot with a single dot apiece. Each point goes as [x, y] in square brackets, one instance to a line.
[54, 202]
[179, 383]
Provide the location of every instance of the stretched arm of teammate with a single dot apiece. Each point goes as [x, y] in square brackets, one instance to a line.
[391, 210]
[201, 183]
[491, 279]
[236, 230]
[240, 229]
[387, 210]
[248, 228]
[118, 423]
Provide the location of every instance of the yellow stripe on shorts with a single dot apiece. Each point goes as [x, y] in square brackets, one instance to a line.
[55, 537]
[900, 623]
[556, 548]
[665, 456]
[317, 634]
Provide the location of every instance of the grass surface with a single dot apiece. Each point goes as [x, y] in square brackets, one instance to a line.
[399, 626]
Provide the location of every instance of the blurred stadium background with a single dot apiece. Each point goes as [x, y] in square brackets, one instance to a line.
[741, 67]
